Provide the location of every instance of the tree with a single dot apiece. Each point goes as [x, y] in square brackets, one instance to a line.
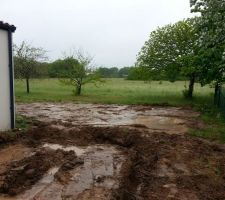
[171, 50]
[26, 61]
[212, 40]
[113, 72]
[139, 73]
[59, 68]
[42, 70]
[108, 72]
[79, 71]
[123, 72]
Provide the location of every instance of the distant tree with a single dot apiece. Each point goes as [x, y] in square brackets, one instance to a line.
[139, 73]
[26, 60]
[79, 71]
[134, 74]
[41, 70]
[105, 72]
[171, 50]
[58, 68]
[123, 72]
[212, 40]
[113, 72]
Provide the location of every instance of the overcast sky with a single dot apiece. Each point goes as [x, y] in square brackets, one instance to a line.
[113, 31]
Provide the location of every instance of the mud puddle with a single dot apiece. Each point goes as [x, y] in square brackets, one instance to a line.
[96, 174]
[169, 125]
[78, 151]
[170, 120]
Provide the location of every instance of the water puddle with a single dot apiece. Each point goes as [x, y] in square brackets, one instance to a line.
[170, 125]
[77, 150]
[101, 170]
[94, 179]
[172, 119]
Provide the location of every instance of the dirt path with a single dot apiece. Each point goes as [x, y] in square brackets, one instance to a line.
[111, 152]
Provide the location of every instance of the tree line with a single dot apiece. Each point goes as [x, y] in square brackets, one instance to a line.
[74, 69]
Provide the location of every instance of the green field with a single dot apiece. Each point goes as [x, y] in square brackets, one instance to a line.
[118, 91]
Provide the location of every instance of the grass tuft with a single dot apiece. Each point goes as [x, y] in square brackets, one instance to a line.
[214, 124]
[23, 122]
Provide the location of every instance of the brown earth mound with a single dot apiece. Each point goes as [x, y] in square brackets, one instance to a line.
[24, 173]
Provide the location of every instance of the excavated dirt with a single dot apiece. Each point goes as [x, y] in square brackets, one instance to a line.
[111, 152]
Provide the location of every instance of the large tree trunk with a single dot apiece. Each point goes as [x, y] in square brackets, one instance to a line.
[191, 87]
[28, 85]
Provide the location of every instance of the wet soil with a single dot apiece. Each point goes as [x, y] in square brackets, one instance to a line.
[172, 120]
[111, 152]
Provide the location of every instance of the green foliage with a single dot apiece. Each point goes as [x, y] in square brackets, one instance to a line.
[41, 70]
[139, 73]
[23, 122]
[212, 39]
[214, 128]
[59, 68]
[211, 132]
[108, 72]
[171, 51]
[123, 72]
[185, 93]
[144, 74]
[113, 72]
[78, 72]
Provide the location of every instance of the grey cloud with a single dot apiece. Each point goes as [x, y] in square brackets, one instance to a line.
[113, 31]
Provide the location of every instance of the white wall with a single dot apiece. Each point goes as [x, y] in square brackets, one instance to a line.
[5, 121]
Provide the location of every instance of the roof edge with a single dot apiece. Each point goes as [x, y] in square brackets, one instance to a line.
[6, 26]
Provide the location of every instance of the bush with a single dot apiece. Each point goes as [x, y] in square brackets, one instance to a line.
[185, 93]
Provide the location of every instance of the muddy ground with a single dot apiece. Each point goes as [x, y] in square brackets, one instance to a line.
[111, 152]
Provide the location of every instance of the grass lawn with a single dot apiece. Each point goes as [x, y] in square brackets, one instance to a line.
[118, 91]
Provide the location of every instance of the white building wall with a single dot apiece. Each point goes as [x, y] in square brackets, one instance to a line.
[5, 120]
